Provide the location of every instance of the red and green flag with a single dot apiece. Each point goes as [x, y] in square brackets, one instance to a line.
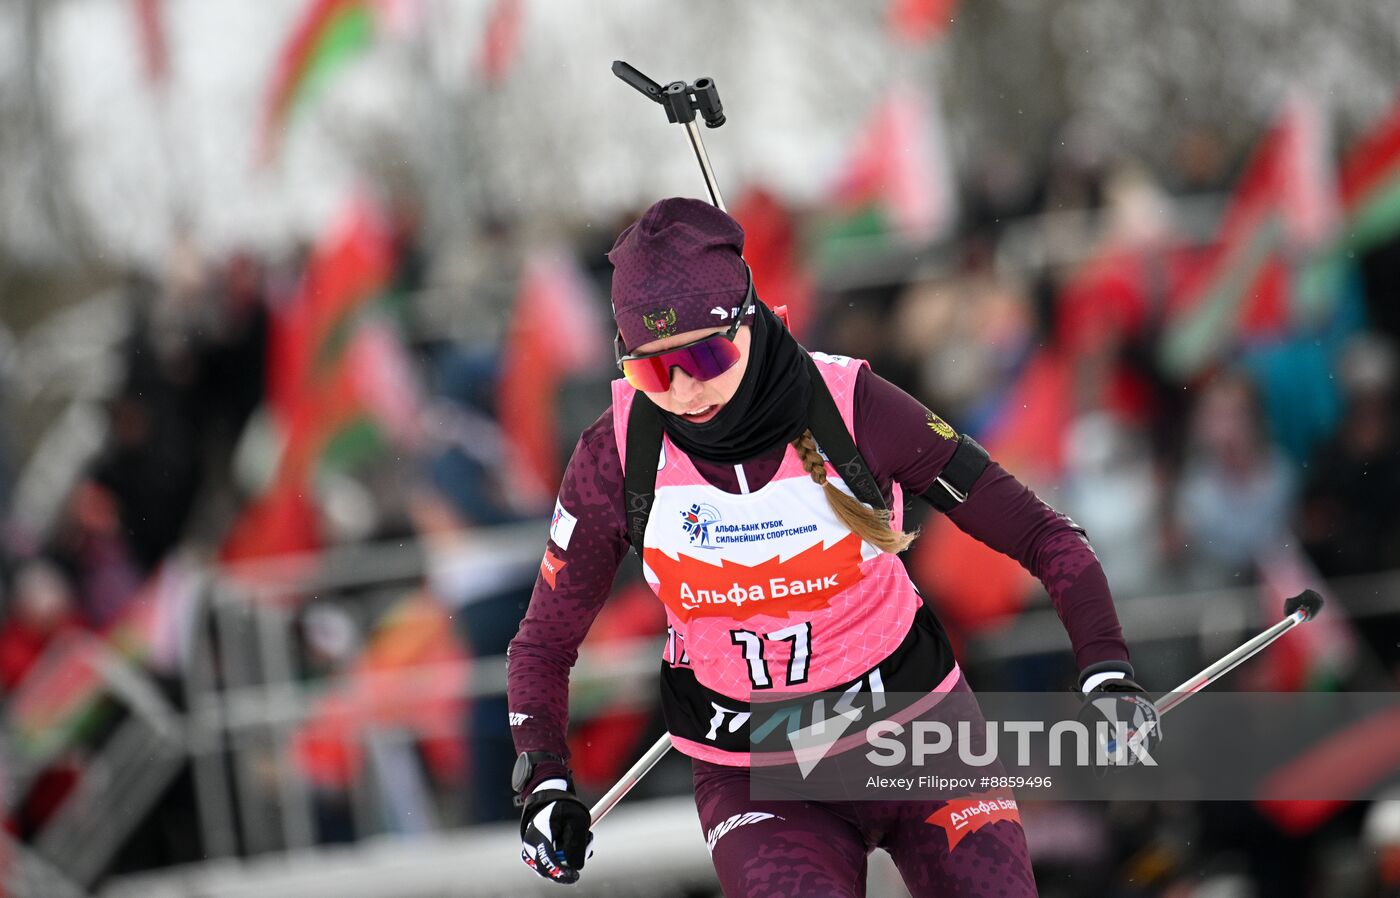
[1369, 189]
[555, 332]
[1281, 213]
[1370, 183]
[336, 370]
[1313, 658]
[60, 699]
[340, 386]
[896, 181]
[328, 35]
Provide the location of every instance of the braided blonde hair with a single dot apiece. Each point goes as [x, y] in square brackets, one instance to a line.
[872, 525]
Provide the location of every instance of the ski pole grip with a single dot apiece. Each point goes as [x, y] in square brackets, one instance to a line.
[1308, 601]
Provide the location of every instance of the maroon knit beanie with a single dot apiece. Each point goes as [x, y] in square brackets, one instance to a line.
[678, 268]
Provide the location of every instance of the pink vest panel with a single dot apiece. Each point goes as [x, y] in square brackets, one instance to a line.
[768, 591]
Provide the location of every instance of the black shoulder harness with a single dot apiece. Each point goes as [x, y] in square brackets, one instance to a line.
[639, 474]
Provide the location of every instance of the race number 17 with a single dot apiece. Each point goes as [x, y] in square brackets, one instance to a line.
[800, 635]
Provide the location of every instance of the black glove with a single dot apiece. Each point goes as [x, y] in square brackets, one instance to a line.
[1111, 696]
[554, 835]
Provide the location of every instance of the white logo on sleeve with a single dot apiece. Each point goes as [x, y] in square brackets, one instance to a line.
[517, 719]
[722, 312]
[734, 823]
[561, 527]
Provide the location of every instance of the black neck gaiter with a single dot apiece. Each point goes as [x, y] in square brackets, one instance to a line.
[769, 408]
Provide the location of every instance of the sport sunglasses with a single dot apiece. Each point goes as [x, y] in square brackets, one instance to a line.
[703, 359]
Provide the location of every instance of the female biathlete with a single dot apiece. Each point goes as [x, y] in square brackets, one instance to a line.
[722, 403]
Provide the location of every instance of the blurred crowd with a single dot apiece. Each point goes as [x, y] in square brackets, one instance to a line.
[1281, 453]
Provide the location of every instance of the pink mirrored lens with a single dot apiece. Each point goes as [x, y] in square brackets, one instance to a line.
[704, 360]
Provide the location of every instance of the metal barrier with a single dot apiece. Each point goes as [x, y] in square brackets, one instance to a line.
[27, 875]
[125, 776]
[247, 699]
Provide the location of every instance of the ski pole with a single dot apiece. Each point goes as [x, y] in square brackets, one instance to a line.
[631, 778]
[1298, 610]
[682, 101]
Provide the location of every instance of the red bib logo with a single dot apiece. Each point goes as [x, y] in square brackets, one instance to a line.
[550, 568]
[806, 582]
[967, 815]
